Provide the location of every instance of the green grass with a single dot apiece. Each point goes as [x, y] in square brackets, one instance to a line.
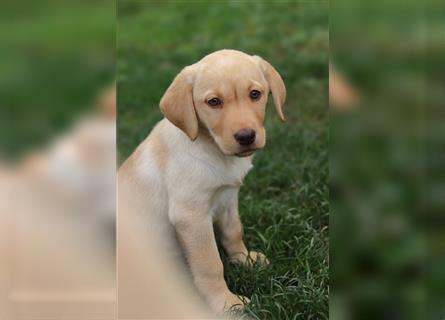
[284, 203]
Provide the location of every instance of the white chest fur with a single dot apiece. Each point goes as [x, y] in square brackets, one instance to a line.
[200, 175]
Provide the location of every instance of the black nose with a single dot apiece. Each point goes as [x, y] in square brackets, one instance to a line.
[245, 136]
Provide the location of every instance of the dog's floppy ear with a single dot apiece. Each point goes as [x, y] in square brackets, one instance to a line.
[276, 85]
[177, 103]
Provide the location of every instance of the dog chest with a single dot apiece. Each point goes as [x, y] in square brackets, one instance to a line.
[223, 199]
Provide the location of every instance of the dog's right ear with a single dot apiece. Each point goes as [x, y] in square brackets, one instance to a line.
[177, 103]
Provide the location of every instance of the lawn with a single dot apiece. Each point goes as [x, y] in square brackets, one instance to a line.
[284, 203]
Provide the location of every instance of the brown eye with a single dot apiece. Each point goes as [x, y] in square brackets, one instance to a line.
[214, 102]
[255, 94]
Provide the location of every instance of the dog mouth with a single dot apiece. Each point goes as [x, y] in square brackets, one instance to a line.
[245, 153]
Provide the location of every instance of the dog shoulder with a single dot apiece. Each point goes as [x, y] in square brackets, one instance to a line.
[148, 160]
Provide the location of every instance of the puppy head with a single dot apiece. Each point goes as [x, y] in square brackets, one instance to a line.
[225, 94]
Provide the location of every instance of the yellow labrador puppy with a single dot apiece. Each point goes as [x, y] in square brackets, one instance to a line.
[187, 173]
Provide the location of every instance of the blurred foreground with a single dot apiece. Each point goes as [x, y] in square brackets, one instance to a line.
[57, 225]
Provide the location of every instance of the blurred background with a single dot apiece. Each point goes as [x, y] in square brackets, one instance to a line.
[386, 161]
[57, 160]
[284, 202]
[55, 57]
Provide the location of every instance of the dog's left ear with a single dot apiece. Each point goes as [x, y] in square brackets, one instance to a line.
[177, 103]
[276, 84]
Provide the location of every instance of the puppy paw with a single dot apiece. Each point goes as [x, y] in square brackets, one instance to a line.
[235, 303]
[228, 302]
[257, 258]
[251, 260]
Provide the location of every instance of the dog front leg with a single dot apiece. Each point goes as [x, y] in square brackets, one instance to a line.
[231, 230]
[196, 237]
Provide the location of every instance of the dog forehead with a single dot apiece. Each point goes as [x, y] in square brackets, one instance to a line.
[226, 54]
[228, 70]
[227, 61]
